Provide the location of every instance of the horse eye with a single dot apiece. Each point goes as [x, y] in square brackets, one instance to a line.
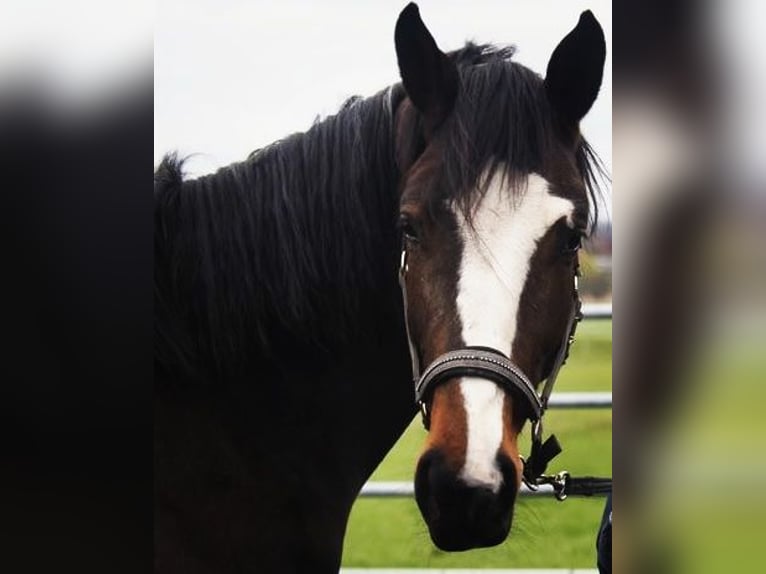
[408, 229]
[573, 242]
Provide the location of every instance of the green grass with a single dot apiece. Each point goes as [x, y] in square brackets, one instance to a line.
[546, 533]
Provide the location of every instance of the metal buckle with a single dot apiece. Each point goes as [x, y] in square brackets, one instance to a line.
[559, 483]
[424, 413]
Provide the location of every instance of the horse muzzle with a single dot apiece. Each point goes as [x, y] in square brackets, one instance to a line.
[460, 516]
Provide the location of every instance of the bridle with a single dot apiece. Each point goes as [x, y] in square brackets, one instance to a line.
[493, 365]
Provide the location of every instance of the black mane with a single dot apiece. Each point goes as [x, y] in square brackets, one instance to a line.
[281, 245]
[285, 245]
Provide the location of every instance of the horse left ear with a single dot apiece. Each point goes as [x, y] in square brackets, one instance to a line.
[428, 75]
[575, 70]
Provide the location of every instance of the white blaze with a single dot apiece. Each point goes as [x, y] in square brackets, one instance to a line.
[493, 271]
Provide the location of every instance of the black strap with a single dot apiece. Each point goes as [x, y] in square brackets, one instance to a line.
[539, 457]
[587, 486]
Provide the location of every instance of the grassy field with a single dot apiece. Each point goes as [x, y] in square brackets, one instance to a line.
[546, 533]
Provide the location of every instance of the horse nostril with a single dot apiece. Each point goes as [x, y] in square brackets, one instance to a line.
[484, 504]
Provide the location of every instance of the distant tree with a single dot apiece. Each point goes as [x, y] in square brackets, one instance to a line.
[595, 282]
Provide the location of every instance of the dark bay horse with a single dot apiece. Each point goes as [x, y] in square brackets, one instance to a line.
[283, 369]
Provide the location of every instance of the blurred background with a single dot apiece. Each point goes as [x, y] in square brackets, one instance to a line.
[689, 290]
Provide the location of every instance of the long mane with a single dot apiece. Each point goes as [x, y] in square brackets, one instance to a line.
[279, 247]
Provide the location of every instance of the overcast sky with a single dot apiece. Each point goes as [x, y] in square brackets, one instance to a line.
[232, 76]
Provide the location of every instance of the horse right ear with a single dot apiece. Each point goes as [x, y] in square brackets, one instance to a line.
[575, 70]
[428, 75]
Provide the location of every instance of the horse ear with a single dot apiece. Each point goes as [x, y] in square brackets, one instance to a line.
[575, 70]
[428, 75]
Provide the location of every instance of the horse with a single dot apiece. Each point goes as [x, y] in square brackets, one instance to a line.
[298, 292]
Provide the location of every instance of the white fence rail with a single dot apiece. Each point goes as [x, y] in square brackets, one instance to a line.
[406, 489]
[597, 310]
[581, 400]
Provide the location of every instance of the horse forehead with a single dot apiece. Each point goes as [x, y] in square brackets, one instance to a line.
[505, 216]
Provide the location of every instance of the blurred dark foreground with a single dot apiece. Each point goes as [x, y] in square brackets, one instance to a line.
[76, 293]
[689, 294]
[689, 286]
[76, 368]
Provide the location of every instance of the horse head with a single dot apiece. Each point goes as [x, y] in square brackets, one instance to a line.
[494, 202]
